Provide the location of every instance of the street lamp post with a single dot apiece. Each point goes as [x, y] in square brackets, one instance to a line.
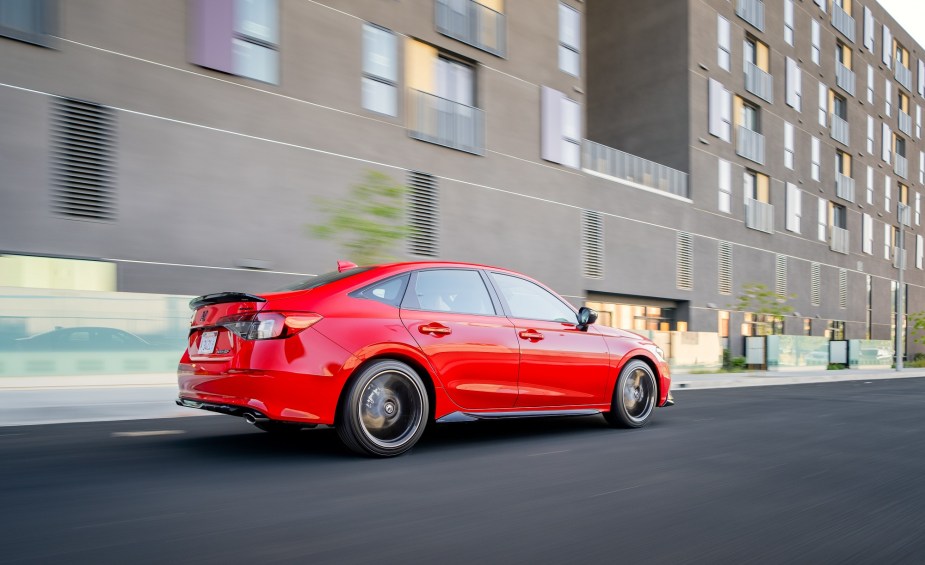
[903, 212]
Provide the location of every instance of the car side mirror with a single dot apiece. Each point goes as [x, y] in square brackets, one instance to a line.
[586, 317]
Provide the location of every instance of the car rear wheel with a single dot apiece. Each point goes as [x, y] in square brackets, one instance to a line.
[634, 396]
[385, 411]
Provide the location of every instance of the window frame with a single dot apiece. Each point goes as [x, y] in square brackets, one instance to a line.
[507, 309]
[366, 74]
[576, 49]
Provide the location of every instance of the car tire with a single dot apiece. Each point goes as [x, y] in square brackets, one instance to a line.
[385, 410]
[634, 396]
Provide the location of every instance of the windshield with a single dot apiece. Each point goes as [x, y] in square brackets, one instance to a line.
[322, 280]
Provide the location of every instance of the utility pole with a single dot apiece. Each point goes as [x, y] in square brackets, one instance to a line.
[903, 212]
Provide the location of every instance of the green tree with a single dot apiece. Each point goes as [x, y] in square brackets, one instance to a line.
[759, 299]
[915, 322]
[368, 223]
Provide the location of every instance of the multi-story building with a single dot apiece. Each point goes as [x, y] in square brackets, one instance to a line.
[183, 147]
[799, 123]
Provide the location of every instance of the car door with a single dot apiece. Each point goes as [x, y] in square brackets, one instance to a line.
[560, 364]
[470, 343]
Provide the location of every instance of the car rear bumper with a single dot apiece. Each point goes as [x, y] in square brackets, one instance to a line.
[290, 397]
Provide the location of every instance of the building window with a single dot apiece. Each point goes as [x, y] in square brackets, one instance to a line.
[816, 42]
[249, 49]
[887, 240]
[794, 83]
[756, 186]
[823, 104]
[719, 112]
[32, 21]
[569, 40]
[749, 116]
[919, 251]
[561, 128]
[835, 330]
[867, 234]
[634, 317]
[839, 216]
[794, 206]
[821, 219]
[724, 41]
[725, 186]
[380, 71]
[887, 193]
[762, 324]
[788, 22]
[870, 134]
[888, 97]
[870, 184]
[788, 145]
[480, 23]
[918, 207]
[840, 106]
[870, 84]
[816, 159]
[842, 162]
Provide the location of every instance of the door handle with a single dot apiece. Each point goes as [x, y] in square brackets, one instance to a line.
[532, 335]
[435, 329]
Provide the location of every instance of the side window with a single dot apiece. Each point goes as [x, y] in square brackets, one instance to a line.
[388, 291]
[453, 290]
[528, 300]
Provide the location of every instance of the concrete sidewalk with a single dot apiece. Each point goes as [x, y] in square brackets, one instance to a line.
[97, 398]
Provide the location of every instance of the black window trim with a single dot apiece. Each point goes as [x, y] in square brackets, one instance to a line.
[361, 293]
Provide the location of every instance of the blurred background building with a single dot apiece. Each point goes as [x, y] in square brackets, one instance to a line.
[646, 158]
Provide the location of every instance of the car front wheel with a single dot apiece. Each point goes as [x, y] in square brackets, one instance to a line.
[385, 411]
[634, 396]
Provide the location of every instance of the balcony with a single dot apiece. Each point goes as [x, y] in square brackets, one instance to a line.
[612, 163]
[901, 166]
[840, 130]
[905, 123]
[473, 23]
[759, 82]
[752, 11]
[844, 187]
[438, 120]
[759, 215]
[839, 240]
[902, 74]
[842, 21]
[750, 144]
[844, 78]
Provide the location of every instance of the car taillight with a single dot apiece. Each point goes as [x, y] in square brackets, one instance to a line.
[269, 325]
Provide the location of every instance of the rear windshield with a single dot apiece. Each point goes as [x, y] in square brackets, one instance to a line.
[324, 279]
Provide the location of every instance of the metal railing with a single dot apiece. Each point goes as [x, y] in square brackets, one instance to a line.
[839, 240]
[840, 130]
[842, 21]
[751, 11]
[473, 23]
[445, 122]
[901, 166]
[759, 215]
[905, 122]
[844, 187]
[618, 164]
[844, 78]
[750, 144]
[759, 82]
[902, 73]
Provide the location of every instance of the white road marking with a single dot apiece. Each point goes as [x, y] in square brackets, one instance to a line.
[148, 433]
[614, 491]
[548, 453]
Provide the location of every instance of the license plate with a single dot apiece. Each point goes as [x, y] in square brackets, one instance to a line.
[207, 342]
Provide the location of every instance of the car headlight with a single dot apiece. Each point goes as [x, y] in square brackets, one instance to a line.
[660, 354]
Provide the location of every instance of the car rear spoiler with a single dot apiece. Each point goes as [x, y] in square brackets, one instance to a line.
[223, 297]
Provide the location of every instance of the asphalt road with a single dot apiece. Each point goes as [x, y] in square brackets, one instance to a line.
[825, 473]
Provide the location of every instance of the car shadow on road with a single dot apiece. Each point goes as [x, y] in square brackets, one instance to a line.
[324, 444]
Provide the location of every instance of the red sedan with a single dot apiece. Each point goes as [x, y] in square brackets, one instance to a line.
[380, 352]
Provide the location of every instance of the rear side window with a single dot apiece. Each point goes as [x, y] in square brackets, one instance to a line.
[322, 280]
[459, 291]
[389, 291]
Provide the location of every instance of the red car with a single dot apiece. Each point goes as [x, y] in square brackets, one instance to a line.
[381, 352]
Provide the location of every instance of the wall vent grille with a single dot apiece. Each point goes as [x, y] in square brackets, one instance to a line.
[780, 275]
[423, 214]
[842, 288]
[684, 261]
[592, 244]
[83, 138]
[814, 284]
[725, 268]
